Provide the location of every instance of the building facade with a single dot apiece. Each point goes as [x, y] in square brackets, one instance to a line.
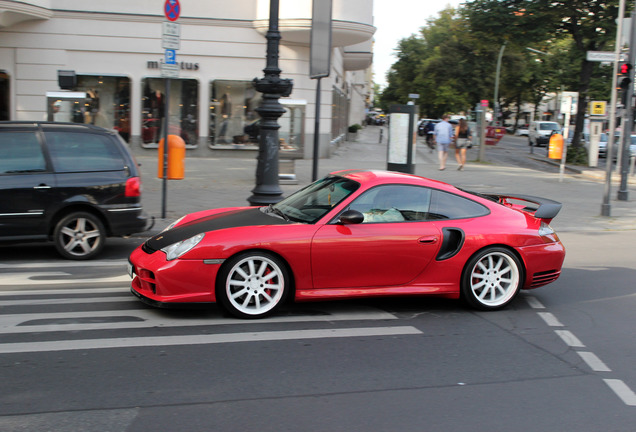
[101, 62]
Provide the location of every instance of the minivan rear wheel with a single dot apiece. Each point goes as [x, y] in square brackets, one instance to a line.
[79, 236]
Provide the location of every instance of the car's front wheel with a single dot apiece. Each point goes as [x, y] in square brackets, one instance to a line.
[491, 279]
[79, 236]
[253, 285]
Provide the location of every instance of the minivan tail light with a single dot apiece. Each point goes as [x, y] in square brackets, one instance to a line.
[133, 187]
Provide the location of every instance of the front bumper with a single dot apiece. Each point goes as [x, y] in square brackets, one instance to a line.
[163, 283]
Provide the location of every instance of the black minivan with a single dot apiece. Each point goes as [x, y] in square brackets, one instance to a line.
[73, 184]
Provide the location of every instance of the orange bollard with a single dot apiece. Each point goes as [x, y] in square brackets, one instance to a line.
[555, 149]
[176, 158]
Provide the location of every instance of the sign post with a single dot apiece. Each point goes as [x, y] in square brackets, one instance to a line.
[319, 63]
[170, 42]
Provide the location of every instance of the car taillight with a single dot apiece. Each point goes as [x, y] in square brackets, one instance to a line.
[133, 187]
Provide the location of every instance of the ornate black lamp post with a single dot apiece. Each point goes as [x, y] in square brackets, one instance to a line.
[267, 190]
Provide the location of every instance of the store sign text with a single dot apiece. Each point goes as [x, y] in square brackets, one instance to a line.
[183, 65]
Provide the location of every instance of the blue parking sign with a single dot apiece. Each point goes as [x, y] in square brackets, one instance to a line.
[171, 56]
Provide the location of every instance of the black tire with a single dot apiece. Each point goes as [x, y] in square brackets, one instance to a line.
[252, 284]
[79, 236]
[492, 279]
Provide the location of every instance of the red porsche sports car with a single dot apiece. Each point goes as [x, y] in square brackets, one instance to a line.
[355, 233]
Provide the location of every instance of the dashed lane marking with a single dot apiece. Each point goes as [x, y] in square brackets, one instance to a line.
[569, 338]
[593, 361]
[550, 319]
[621, 389]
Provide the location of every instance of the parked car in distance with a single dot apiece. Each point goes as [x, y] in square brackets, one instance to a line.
[73, 184]
[602, 143]
[617, 146]
[540, 131]
[522, 130]
[355, 233]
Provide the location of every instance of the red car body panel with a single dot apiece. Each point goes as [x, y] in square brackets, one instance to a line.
[330, 260]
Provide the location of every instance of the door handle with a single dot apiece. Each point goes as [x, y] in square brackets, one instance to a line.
[42, 186]
[427, 240]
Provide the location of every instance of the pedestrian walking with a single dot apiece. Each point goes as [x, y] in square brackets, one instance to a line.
[444, 137]
[463, 138]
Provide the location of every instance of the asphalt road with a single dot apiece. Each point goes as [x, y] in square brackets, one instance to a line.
[79, 353]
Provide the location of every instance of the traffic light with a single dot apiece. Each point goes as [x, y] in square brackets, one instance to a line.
[624, 80]
[625, 76]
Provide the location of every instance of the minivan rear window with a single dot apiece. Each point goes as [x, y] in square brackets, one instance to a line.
[78, 152]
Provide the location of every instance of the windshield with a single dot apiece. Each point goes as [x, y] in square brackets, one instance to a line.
[549, 126]
[316, 200]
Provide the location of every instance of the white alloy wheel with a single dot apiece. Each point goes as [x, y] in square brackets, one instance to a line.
[492, 279]
[254, 285]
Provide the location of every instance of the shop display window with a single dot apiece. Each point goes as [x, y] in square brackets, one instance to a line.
[339, 109]
[234, 122]
[107, 103]
[183, 106]
[233, 116]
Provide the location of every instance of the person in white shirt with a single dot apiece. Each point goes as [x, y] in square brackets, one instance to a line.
[444, 133]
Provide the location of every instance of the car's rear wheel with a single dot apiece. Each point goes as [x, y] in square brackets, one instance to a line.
[253, 285]
[79, 236]
[491, 279]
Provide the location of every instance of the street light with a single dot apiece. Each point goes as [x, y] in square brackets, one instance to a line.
[273, 87]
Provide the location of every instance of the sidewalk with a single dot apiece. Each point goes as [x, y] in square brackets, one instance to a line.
[226, 182]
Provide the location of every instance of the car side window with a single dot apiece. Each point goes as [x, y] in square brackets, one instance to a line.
[393, 203]
[20, 152]
[79, 152]
[445, 205]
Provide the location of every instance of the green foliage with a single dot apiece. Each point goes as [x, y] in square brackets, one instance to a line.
[451, 63]
[354, 128]
[576, 155]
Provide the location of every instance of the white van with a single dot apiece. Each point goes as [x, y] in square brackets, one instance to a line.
[540, 132]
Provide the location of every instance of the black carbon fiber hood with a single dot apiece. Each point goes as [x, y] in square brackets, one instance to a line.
[230, 219]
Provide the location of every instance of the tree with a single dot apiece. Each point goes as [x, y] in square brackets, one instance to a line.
[589, 23]
[442, 63]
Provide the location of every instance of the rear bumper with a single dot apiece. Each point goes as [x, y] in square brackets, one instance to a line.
[124, 222]
[543, 264]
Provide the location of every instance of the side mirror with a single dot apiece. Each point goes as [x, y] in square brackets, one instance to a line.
[351, 217]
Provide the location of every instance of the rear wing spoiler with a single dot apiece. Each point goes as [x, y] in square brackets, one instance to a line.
[542, 208]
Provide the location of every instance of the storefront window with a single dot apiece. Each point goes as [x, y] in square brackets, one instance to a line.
[4, 96]
[292, 129]
[338, 113]
[107, 103]
[183, 106]
[233, 116]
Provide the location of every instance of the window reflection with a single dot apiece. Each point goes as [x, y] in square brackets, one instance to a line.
[233, 116]
[183, 108]
[234, 122]
[107, 104]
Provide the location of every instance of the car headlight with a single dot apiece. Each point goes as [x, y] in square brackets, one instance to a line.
[177, 249]
[172, 225]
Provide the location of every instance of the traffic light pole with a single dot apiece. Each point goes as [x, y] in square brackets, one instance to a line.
[628, 114]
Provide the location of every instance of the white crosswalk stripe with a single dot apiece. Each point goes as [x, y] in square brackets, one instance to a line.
[35, 321]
